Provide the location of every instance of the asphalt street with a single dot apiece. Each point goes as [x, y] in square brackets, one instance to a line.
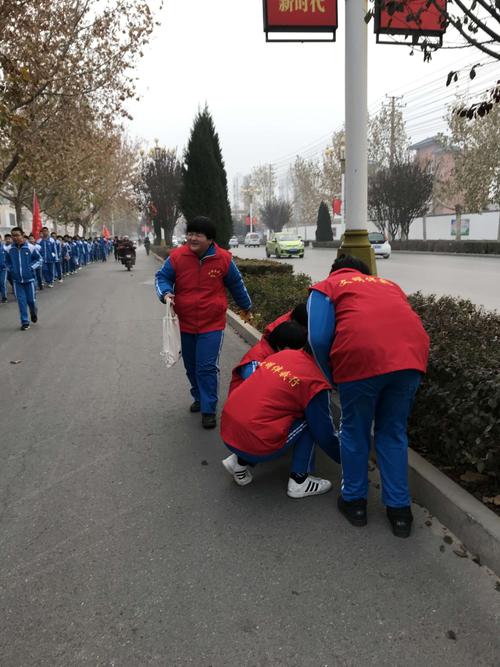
[124, 542]
[474, 278]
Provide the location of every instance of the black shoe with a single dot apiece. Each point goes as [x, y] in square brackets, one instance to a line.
[34, 317]
[4, 299]
[25, 327]
[400, 519]
[195, 406]
[354, 511]
[208, 420]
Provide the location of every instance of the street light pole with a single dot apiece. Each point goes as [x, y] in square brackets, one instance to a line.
[356, 142]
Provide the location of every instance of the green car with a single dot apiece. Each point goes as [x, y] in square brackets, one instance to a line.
[284, 244]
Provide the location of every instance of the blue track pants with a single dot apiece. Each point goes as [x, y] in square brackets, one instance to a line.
[201, 353]
[25, 295]
[48, 272]
[58, 269]
[303, 450]
[387, 400]
[3, 283]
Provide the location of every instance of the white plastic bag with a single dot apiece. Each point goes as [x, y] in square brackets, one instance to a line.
[171, 351]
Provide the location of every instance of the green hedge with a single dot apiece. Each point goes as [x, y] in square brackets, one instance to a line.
[474, 247]
[260, 267]
[274, 294]
[455, 420]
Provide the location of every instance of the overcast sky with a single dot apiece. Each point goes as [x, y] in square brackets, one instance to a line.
[270, 102]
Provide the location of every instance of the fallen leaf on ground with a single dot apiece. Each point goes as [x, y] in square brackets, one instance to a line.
[451, 635]
[494, 500]
[460, 553]
[471, 476]
[448, 539]
[17, 361]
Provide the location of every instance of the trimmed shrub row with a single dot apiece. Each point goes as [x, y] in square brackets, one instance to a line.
[261, 267]
[474, 247]
[455, 421]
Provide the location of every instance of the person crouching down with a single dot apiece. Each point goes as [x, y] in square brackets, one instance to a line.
[284, 405]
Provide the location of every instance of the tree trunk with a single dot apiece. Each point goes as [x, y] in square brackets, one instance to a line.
[19, 212]
[498, 232]
[424, 227]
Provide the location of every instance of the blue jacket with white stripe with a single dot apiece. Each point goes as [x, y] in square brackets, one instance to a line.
[22, 261]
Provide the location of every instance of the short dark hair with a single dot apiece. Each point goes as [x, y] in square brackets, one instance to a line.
[299, 314]
[350, 262]
[288, 334]
[45, 228]
[16, 229]
[201, 224]
[9, 235]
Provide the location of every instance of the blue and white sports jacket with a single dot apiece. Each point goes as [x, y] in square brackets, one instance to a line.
[22, 261]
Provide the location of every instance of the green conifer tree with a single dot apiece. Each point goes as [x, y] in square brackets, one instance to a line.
[204, 190]
[324, 224]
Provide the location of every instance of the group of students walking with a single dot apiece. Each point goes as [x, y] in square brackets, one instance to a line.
[30, 264]
[357, 335]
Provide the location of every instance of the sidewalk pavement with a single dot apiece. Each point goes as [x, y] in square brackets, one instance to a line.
[124, 541]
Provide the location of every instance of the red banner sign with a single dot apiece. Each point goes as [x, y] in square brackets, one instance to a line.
[410, 17]
[300, 15]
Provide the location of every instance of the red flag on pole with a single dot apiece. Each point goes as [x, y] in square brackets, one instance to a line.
[36, 225]
[105, 232]
[337, 206]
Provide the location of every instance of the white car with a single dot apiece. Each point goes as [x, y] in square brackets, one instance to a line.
[252, 239]
[381, 246]
[233, 242]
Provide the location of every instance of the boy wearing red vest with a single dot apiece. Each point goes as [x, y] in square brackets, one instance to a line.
[270, 342]
[283, 405]
[195, 276]
[363, 330]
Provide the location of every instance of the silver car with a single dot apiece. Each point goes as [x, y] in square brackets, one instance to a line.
[381, 246]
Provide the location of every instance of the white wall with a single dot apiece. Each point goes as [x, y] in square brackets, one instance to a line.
[482, 226]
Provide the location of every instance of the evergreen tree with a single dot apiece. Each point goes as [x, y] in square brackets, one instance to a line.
[324, 225]
[204, 190]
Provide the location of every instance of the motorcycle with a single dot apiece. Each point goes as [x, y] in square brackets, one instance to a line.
[128, 260]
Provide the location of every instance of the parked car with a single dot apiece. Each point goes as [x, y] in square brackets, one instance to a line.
[285, 244]
[252, 239]
[233, 242]
[381, 246]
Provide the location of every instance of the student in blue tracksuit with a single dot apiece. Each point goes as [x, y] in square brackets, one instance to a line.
[3, 272]
[38, 272]
[49, 255]
[22, 261]
[58, 262]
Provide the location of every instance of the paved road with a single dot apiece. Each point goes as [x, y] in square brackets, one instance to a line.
[123, 542]
[475, 278]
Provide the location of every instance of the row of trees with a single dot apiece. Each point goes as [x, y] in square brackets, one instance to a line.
[400, 188]
[66, 74]
[167, 187]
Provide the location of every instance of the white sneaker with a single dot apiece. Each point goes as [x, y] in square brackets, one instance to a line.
[312, 486]
[241, 474]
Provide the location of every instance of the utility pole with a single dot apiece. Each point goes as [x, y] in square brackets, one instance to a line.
[392, 147]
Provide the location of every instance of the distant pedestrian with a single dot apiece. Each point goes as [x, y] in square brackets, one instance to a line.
[49, 255]
[364, 332]
[147, 245]
[195, 277]
[22, 260]
[3, 272]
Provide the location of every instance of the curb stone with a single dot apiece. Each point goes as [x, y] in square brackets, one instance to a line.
[473, 523]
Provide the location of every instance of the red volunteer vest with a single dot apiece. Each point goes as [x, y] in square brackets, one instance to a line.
[200, 293]
[259, 352]
[257, 416]
[376, 330]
